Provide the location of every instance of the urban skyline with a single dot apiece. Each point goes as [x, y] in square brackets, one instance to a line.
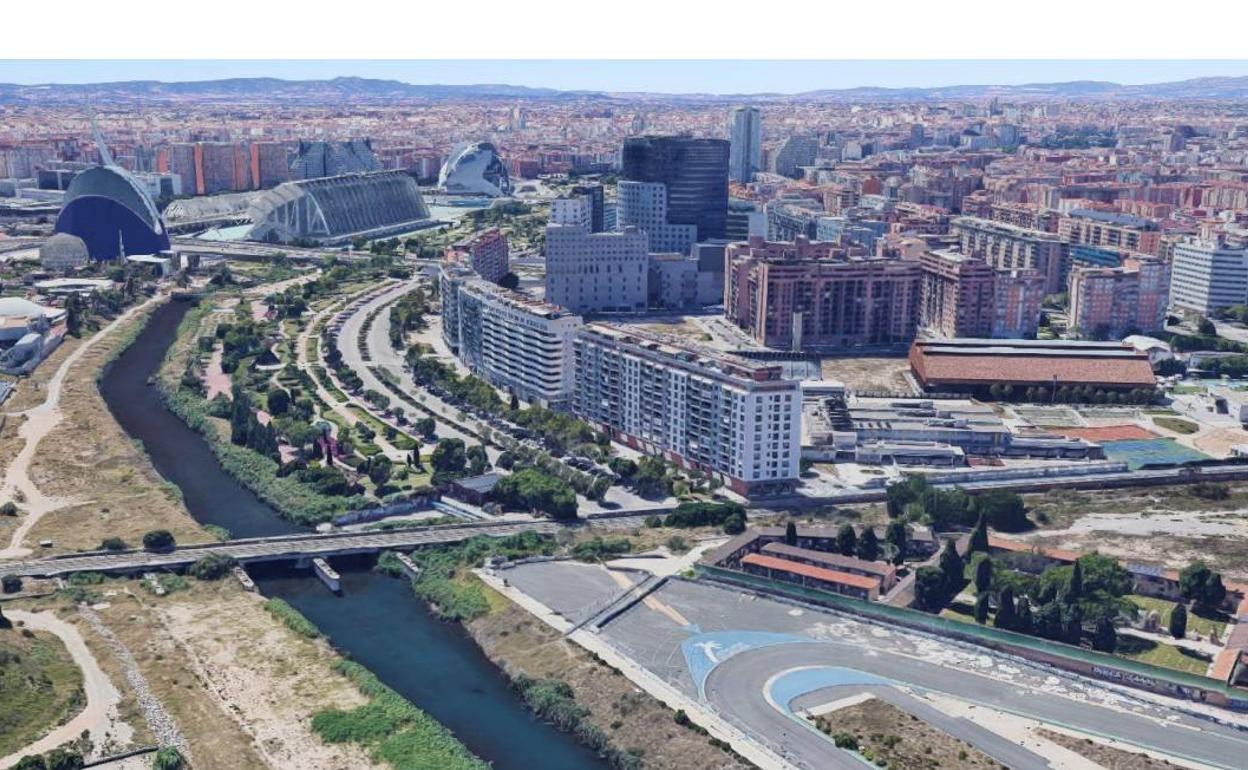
[360, 419]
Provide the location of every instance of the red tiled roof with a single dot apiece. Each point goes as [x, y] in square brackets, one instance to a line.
[834, 561]
[1005, 544]
[818, 573]
[945, 368]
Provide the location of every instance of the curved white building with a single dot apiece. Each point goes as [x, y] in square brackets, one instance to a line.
[475, 169]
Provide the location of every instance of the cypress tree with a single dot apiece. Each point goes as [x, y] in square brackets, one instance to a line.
[979, 535]
[896, 534]
[1005, 609]
[1105, 638]
[1024, 621]
[868, 546]
[1178, 621]
[983, 575]
[846, 540]
[981, 608]
[1076, 581]
[790, 534]
[952, 567]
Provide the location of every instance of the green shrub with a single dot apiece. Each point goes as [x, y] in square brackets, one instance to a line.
[392, 729]
[214, 566]
[292, 618]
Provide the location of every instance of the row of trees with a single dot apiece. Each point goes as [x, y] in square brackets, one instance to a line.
[914, 499]
[1067, 394]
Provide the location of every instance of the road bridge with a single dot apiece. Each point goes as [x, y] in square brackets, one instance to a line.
[281, 548]
[303, 546]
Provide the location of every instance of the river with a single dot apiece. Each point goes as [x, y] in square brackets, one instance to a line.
[377, 620]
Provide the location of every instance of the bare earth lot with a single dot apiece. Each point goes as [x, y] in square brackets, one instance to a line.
[866, 375]
[1159, 525]
[902, 741]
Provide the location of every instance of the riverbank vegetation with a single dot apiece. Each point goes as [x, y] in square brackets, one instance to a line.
[391, 728]
[40, 687]
[292, 618]
[446, 581]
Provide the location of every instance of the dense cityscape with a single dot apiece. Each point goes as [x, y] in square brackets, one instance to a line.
[359, 423]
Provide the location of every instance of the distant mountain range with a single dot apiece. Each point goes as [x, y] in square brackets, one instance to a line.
[370, 90]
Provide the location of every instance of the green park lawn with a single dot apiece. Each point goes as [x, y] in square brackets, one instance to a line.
[1198, 624]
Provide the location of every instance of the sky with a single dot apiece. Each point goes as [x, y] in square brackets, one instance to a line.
[684, 76]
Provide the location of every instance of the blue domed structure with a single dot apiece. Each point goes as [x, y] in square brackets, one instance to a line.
[112, 214]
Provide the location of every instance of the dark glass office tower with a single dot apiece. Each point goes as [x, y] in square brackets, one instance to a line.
[594, 191]
[695, 172]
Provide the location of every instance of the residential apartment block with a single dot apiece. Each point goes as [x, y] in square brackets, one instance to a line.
[734, 418]
[1009, 247]
[1208, 275]
[957, 295]
[514, 342]
[1110, 229]
[1115, 302]
[486, 252]
[644, 205]
[810, 294]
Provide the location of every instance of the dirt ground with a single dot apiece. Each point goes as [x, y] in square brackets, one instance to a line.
[1160, 525]
[242, 693]
[269, 679]
[522, 644]
[1107, 757]
[866, 375]
[87, 458]
[901, 741]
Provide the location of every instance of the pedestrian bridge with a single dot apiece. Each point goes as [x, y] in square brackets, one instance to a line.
[285, 547]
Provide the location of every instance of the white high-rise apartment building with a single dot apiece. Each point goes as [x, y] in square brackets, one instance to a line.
[1208, 275]
[597, 272]
[576, 211]
[745, 153]
[737, 419]
[516, 343]
[644, 205]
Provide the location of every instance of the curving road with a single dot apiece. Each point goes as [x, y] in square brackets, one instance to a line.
[740, 688]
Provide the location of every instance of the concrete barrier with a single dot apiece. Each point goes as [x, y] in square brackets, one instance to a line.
[327, 574]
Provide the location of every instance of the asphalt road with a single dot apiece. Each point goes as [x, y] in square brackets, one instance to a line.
[736, 686]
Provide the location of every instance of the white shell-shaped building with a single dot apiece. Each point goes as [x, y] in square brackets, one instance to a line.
[475, 169]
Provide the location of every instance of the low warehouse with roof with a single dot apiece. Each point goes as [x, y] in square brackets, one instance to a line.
[972, 365]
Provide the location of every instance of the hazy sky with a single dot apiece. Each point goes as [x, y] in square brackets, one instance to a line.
[658, 76]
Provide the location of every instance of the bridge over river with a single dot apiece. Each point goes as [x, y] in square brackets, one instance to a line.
[283, 547]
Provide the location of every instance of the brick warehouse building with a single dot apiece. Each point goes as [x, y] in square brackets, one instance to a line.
[974, 365]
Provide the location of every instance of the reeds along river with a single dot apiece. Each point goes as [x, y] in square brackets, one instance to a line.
[376, 620]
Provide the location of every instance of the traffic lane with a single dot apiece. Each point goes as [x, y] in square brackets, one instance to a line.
[1002, 749]
[1168, 732]
[740, 700]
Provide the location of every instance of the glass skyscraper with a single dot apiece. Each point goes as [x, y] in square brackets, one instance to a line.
[695, 172]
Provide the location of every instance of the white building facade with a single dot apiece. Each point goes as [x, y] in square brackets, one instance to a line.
[596, 272]
[1206, 276]
[516, 343]
[736, 419]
